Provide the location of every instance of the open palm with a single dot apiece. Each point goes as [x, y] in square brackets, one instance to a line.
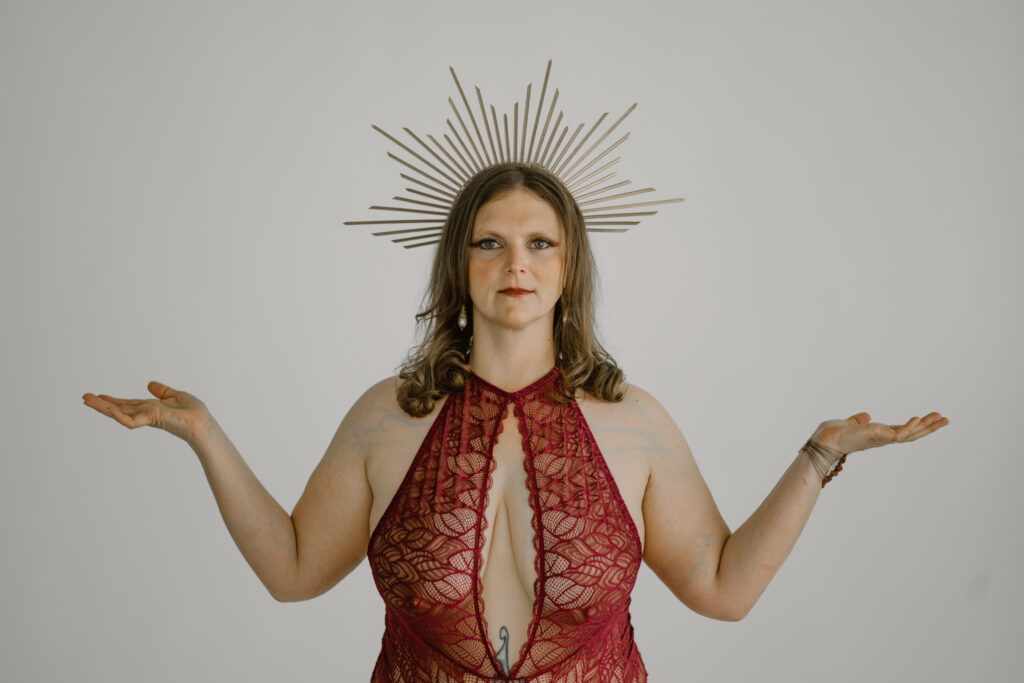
[858, 432]
[177, 412]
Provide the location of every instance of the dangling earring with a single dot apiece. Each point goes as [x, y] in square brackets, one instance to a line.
[565, 319]
[462, 318]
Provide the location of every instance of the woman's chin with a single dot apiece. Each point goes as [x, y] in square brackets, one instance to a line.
[520, 320]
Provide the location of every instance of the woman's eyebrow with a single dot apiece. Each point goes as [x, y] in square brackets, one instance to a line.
[483, 232]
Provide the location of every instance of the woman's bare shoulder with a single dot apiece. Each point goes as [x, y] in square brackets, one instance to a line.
[376, 422]
[380, 398]
[638, 423]
[638, 408]
[638, 417]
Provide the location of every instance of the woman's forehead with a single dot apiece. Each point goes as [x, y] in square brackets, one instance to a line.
[517, 208]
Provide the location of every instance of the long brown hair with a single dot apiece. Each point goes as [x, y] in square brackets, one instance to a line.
[439, 364]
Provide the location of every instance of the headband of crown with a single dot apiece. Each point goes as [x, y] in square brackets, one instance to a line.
[590, 187]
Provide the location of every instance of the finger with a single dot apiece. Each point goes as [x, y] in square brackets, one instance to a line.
[107, 408]
[124, 401]
[895, 430]
[131, 416]
[904, 431]
[918, 427]
[101, 403]
[96, 403]
[880, 434]
[929, 424]
[859, 419]
[112, 411]
[165, 393]
[161, 390]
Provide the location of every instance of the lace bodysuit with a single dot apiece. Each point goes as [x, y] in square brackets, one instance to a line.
[425, 552]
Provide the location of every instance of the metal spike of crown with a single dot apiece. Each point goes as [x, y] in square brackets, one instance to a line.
[438, 186]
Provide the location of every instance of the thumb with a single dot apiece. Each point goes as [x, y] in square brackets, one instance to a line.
[859, 419]
[160, 390]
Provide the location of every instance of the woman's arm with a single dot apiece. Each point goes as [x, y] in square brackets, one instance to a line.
[719, 573]
[296, 556]
[302, 555]
[750, 556]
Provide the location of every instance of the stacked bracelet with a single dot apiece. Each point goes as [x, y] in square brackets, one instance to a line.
[826, 460]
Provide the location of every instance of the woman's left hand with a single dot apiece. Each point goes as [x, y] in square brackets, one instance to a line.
[858, 433]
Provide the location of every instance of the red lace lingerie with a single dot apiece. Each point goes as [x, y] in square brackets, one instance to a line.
[426, 550]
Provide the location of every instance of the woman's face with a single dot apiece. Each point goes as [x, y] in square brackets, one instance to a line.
[516, 261]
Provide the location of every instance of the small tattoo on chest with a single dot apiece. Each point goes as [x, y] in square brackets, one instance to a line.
[503, 652]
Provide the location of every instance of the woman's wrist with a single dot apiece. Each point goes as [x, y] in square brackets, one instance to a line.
[827, 460]
[203, 432]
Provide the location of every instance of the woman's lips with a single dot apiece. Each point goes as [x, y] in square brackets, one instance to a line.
[514, 291]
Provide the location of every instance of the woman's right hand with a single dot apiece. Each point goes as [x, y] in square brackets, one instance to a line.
[177, 412]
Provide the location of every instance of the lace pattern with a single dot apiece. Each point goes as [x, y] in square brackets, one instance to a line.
[425, 553]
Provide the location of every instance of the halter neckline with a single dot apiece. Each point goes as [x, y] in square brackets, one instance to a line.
[543, 379]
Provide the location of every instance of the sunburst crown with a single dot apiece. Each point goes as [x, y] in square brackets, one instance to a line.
[590, 184]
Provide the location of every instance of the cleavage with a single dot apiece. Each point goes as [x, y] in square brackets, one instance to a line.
[508, 569]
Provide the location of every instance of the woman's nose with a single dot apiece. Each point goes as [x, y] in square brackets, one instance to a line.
[516, 260]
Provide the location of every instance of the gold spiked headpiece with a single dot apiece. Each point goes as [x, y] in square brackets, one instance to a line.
[590, 188]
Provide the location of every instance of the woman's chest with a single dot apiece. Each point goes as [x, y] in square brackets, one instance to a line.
[519, 476]
[509, 526]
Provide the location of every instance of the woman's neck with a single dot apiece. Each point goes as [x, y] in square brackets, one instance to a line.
[512, 359]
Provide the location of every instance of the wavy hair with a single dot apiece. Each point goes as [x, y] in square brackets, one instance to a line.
[439, 365]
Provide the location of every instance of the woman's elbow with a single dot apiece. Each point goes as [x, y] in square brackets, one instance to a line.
[289, 591]
[305, 588]
[296, 593]
[283, 594]
[724, 610]
[734, 614]
[286, 597]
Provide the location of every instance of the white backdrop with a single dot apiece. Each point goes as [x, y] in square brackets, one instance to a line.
[174, 178]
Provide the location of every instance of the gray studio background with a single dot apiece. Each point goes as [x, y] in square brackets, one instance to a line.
[174, 179]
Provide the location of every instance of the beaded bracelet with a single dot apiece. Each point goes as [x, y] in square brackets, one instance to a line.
[826, 460]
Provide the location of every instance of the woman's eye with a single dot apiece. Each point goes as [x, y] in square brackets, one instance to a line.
[540, 243]
[486, 243]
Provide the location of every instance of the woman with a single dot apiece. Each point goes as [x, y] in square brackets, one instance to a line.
[506, 484]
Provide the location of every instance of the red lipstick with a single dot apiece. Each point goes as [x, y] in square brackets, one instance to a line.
[515, 291]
